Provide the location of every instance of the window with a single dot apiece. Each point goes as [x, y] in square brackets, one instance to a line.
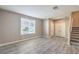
[27, 26]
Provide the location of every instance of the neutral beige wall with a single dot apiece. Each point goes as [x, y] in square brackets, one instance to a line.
[75, 19]
[60, 28]
[10, 27]
[51, 28]
[56, 28]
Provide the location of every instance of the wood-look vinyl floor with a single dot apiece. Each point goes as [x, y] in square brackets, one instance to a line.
[55, 45]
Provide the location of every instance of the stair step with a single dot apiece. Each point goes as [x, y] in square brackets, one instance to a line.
[74, 32]
[74, 43]
[77, 36]
[74, 37]
[74, 40]
[75, 27]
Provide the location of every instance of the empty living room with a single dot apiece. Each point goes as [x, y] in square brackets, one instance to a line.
[39, 29]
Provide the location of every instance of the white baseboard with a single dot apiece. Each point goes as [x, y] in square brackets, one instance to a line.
[4, 44]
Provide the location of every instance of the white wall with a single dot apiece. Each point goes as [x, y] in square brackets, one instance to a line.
[67, 27]
[46, 28]
[51, 28]
[10, 27]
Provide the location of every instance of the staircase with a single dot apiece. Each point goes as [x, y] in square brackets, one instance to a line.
[74, 39]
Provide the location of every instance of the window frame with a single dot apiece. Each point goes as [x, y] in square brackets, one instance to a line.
[28, 21]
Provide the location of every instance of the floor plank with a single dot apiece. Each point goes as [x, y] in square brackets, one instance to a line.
[55, 45]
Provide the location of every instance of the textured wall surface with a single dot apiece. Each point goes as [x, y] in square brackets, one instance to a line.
[10, 25]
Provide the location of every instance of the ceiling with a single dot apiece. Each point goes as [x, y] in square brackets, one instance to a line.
[42, 11]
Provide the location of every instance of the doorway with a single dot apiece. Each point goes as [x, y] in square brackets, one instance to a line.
[57, 28]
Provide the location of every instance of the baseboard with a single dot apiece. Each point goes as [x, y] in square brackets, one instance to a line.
[4, 44]
[60, 36]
